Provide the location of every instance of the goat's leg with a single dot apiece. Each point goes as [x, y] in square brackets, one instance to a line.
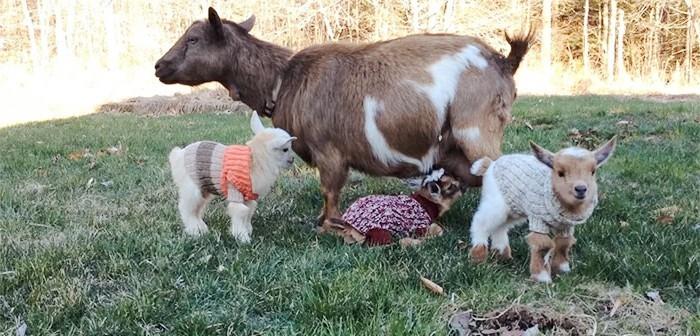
[561, 262]
[333, 176]
[239, 213]
[541, 249]
[458, 164]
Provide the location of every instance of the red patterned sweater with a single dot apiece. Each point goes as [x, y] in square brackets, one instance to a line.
[401, 215]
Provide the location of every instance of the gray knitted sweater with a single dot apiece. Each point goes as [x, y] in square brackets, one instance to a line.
[526, 185]
[204, 161]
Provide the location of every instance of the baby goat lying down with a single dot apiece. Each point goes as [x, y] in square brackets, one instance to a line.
[554, 192]
[238, 173]
[375, 219]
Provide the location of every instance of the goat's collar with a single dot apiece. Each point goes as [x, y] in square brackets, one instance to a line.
[430, 207]
[272, 100]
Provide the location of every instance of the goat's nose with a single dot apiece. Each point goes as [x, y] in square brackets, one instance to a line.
[580, 189]
[158, 64]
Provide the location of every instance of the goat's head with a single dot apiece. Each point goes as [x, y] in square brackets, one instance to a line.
[573, 171]
[202, 54]
[275, 142]
[442, 189]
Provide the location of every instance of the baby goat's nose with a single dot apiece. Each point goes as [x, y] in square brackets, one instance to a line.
[580, 189]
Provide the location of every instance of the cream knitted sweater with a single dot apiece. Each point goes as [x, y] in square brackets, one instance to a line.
[526, 185]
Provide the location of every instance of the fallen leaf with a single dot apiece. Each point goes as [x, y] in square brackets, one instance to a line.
[623, 123]
[528, 125]
[107, 184]
[624, 224]
[461, 245]
[21, 329]
[409, 242]
[667, 214]
[115, 150]
[76, 155]
[205, 259]
[221, 268]
[433, 287]
[90, 182]
[655, 296]
[615, 307]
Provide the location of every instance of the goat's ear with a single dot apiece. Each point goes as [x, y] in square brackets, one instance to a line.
[255, 123]
[215, 22]
[248, 24]
[289, 140]
[542, 154]
[603, 153]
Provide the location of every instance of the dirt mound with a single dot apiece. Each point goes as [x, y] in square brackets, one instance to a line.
[594, 309]
[516, 321]
[200, 101]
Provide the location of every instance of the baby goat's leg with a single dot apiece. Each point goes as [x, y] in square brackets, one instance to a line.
[239, 213]
[489, 217]
[252, 205]
[191, 205]
[561, 262]
[541, 248]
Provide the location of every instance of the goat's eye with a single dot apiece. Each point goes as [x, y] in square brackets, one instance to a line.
[561, 173]
[192, 40]
[285, 150]
[593, 172]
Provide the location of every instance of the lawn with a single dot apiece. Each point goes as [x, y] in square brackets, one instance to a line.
[91, 243]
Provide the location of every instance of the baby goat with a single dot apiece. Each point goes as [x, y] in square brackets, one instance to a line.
[238, 173]
[554, 192]
[376, 219]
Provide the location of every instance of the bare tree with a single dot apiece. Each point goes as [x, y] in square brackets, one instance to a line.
[546, 33]
[611, 40]
[621, 46]
[586, 60]
[30, 31]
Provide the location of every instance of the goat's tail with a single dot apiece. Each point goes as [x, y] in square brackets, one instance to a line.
[519, 45]
[480, 166]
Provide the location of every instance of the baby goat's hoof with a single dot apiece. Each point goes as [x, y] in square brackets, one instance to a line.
[564, 267]
[542, 277]
[504, 255]
[241, 237]
[478, 254]
[196, 231]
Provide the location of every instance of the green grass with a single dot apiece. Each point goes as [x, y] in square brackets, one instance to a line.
[94, 246]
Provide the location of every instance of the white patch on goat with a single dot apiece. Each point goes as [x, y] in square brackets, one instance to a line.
[492, 213]
[446, 73]
[565, 267]
[381, 149]
[470, 134]
[576, 152]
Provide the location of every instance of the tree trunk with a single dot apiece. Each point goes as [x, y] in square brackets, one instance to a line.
[689, 41]
[546, 34]
[30, 31]
[604, 38]
[611, 40]
[586, 61]
[621, 46]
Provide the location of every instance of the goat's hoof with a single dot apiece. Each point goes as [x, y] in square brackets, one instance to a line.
[504, 255]
[478, 254]
[563, 267]
[328, 227]
[196, 231]
[542, 277]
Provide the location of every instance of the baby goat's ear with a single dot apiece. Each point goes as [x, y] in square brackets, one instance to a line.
[434, 188]
[542, 154]
[603, 153]
[255, 123]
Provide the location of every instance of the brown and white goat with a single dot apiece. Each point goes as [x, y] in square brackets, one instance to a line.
[554, 192]
[390, 108]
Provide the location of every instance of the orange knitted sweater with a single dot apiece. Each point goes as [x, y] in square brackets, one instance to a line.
[236, 170]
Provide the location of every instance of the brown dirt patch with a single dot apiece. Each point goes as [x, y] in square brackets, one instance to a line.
[200, 101]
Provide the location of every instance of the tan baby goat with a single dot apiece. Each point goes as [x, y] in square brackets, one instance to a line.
[554, 192]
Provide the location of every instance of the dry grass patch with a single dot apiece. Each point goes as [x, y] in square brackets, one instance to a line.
[199, 101]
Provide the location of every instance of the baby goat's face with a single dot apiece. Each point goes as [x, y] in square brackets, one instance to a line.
[573, 172]
[443, 192]
[280, 147]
